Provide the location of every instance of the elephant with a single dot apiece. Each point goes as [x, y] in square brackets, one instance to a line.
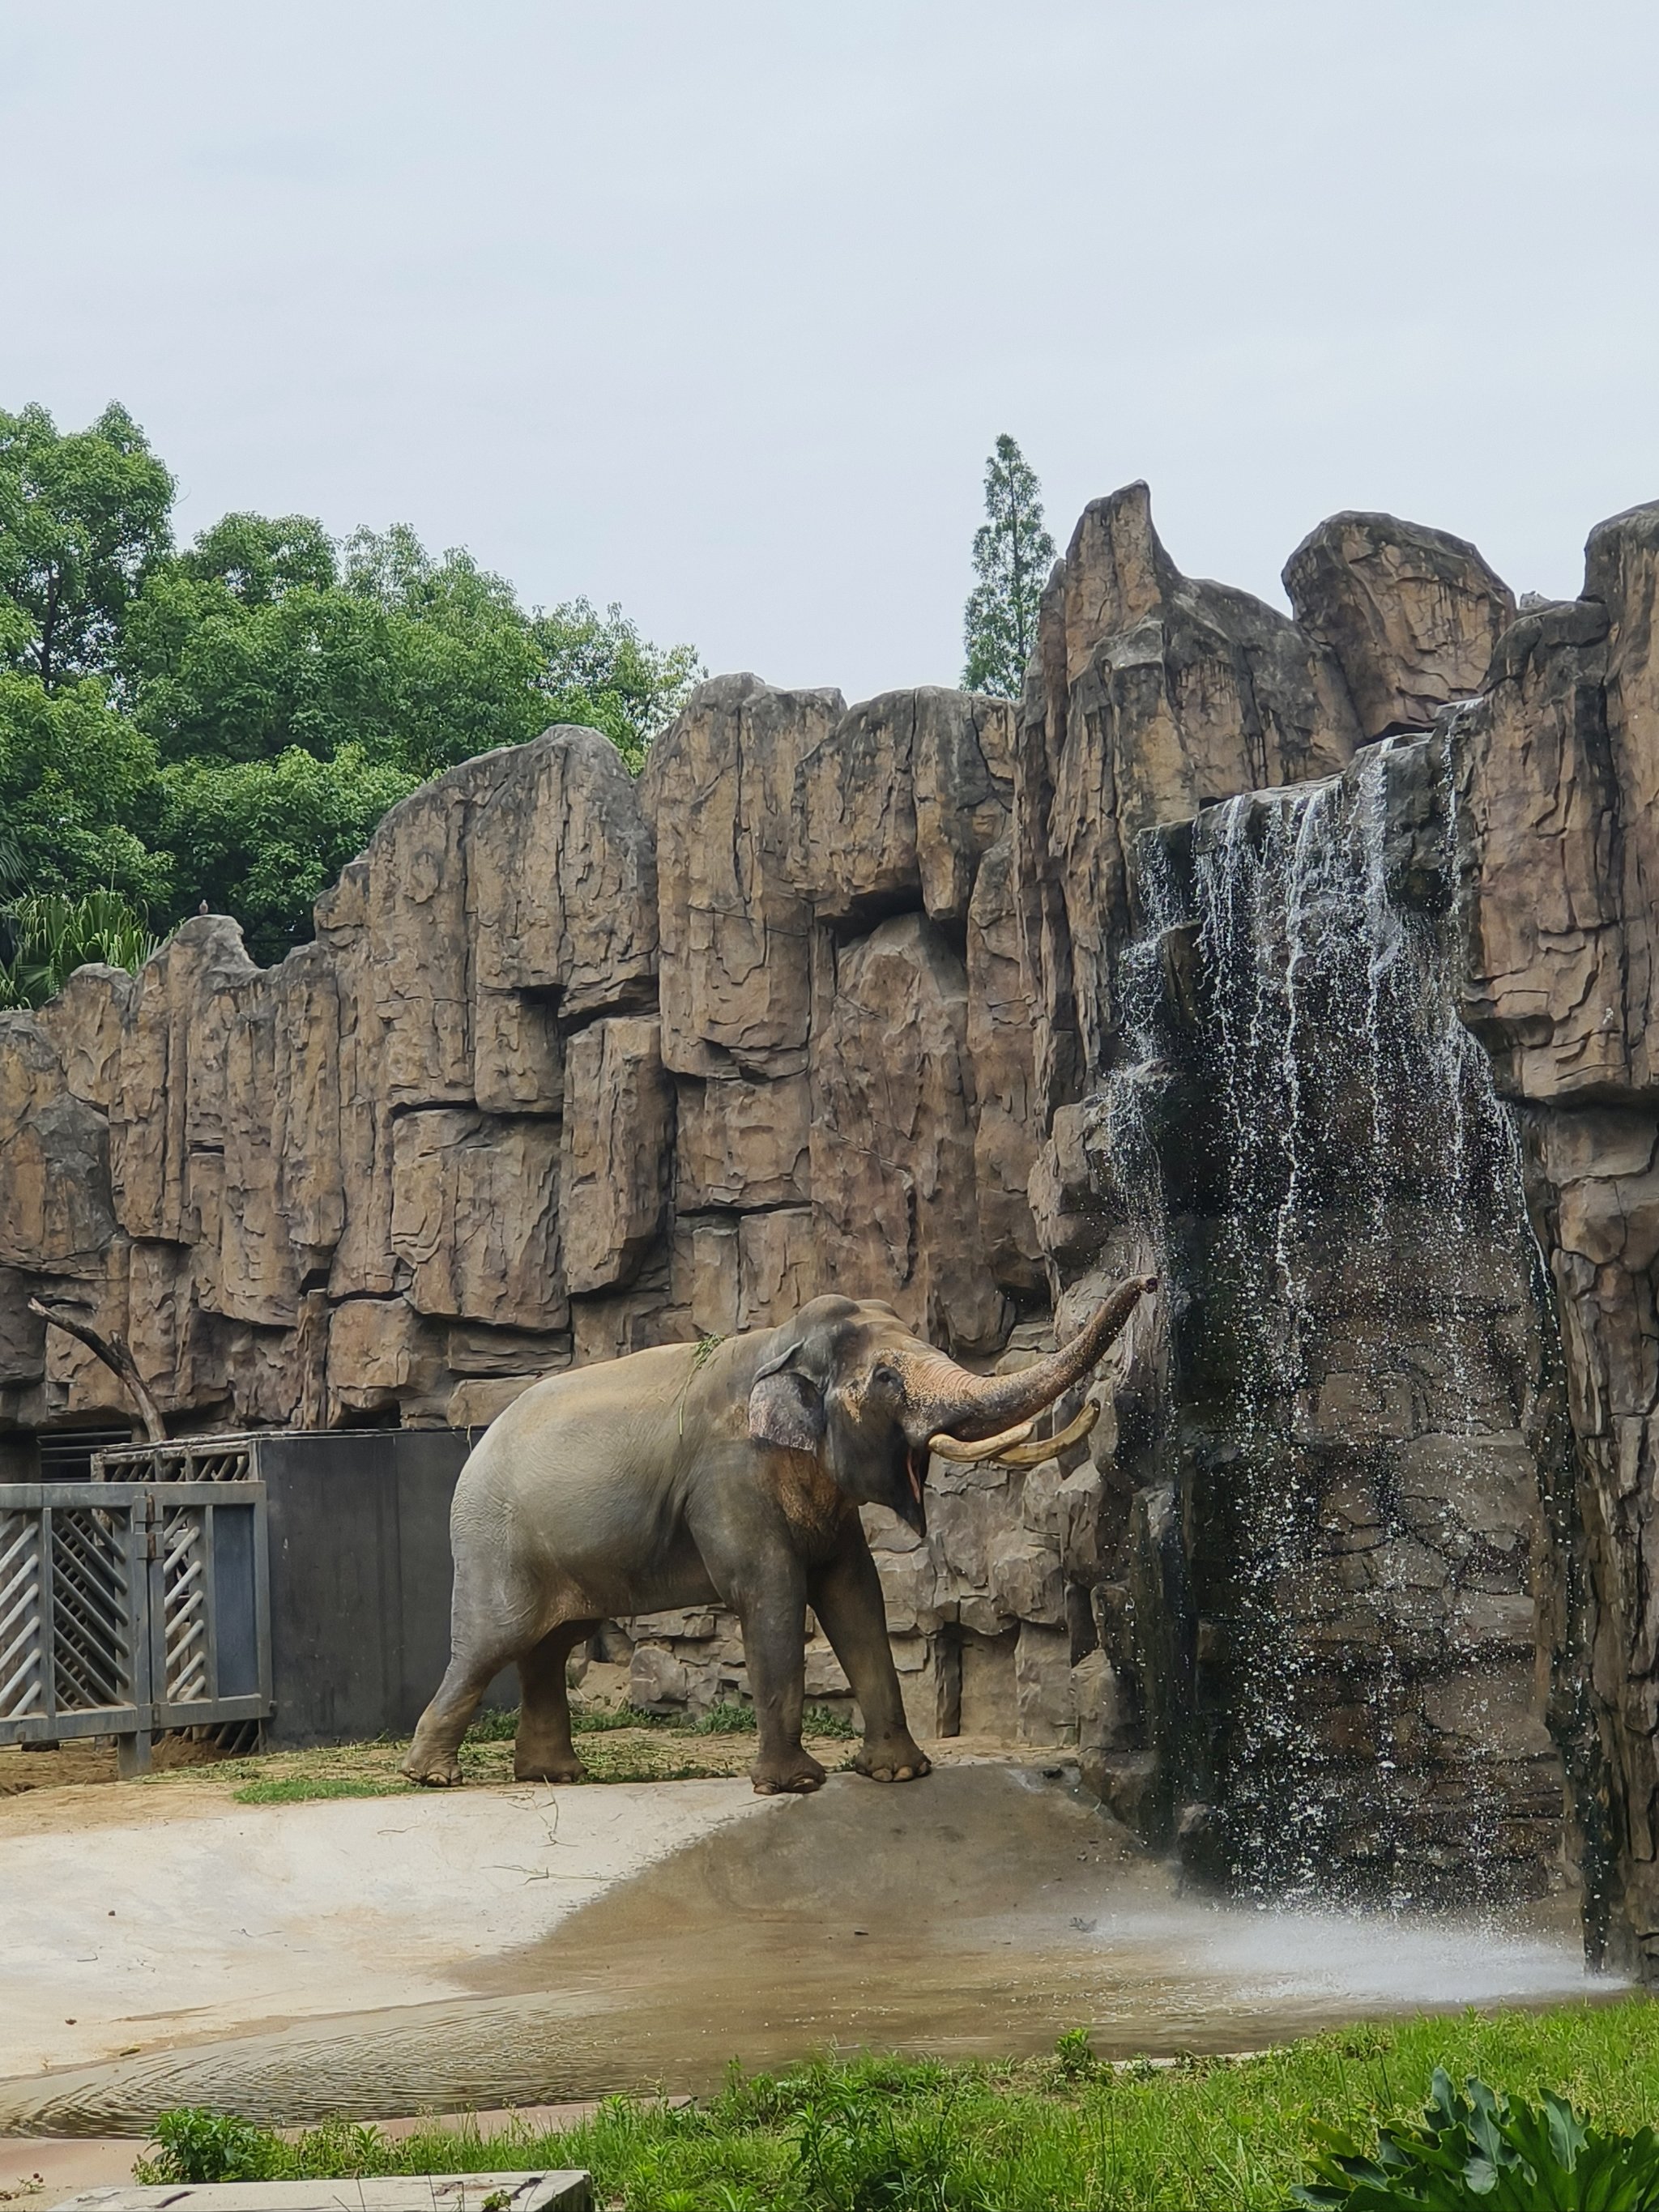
[726, 1473]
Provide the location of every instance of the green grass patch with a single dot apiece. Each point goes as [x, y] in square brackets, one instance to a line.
[730, 1719]
[724, 1720]
[1067, 2134]
[301, 1789]
[604, 1720]
[494, 1727]
[585, 1720]
[739, 1720]
[823, 1720]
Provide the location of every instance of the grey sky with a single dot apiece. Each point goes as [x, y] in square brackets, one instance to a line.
[716, 307]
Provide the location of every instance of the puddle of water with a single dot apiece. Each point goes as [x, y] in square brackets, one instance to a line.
[975, 1914]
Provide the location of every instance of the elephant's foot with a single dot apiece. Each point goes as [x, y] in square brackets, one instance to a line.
[555, 1766]
[795, 1773]
[435, 1770]
[899, 1759]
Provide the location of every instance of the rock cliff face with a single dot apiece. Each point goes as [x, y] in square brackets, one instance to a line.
[843, 996]
[1556, 766]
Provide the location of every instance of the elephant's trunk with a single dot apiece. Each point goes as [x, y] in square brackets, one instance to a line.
[943, 1398]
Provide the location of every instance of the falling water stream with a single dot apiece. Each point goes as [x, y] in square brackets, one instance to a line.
[1351, 1242]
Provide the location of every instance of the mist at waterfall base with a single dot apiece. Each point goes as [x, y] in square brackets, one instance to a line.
[1309, 1139]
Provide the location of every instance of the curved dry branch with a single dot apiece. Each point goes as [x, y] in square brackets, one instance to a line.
[115, 1356]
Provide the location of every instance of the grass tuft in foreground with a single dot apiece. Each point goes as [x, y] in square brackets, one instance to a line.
[1069, 2134]
[301, 1788]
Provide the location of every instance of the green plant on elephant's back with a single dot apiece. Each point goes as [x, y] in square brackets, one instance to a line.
[1476, 2147]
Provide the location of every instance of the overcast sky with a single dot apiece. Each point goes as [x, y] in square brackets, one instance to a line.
[715, 307]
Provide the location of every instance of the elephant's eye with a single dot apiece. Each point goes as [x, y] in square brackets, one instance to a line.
[885, 1379]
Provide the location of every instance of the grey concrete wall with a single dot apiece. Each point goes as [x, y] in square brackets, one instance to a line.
[359, 1579]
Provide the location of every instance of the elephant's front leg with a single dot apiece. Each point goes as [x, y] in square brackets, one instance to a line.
[847, 1598]
[771, 1604]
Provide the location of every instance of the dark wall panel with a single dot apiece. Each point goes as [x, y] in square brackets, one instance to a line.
[359, 1580]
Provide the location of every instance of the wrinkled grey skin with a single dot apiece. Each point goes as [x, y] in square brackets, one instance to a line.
[670, 1479]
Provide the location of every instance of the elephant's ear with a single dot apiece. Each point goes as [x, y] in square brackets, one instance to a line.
[787, 1410]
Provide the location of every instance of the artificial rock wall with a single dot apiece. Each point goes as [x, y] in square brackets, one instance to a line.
[577, 1064]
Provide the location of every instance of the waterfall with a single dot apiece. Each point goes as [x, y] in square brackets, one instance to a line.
[1314, 1144]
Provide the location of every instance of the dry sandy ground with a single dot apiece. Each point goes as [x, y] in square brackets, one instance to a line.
[165, 1912]
[136, 1914]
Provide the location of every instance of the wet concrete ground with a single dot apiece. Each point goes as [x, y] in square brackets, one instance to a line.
[980, 1912]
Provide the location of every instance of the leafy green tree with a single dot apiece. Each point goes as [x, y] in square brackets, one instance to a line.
[257, 558]
[246, 646]
[83, 518]
[80, 792]
[1013, 555]
[215, 678]
[262, 839]
[230, 722]
[599, 670]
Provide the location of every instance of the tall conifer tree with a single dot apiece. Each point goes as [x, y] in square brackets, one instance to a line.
[1013, 554]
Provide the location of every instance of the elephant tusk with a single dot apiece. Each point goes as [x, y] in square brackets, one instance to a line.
[1051, 1447]
[987, 1447]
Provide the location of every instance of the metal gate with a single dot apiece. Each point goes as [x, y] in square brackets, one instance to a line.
[127, 1607]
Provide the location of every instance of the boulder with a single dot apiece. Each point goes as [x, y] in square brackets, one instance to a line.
[173, 1328]
[779, 1265]
[415, 975]
[381, 1354]
[471, 1348]
[718, 791]
[363, 1263]
[258, 1280]
[517, 1055]
[1154, 695]
[78, 1386]
[170, 1095]
[1412, 615]
[56, 1210]
[895, 805]
[618, 1151]
[892, 1137]
[475, 1217]
[1042, 1685]
[705, 1263]
[562, 880]
[305, 1121]
[999, 1051]
[606, 1324]
[475, 1404]
[1072, 1222]
[85, 1023]
[743, 1144]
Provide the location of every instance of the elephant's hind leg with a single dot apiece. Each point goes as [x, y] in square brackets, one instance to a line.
[543, 1751]
[435, 1755]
